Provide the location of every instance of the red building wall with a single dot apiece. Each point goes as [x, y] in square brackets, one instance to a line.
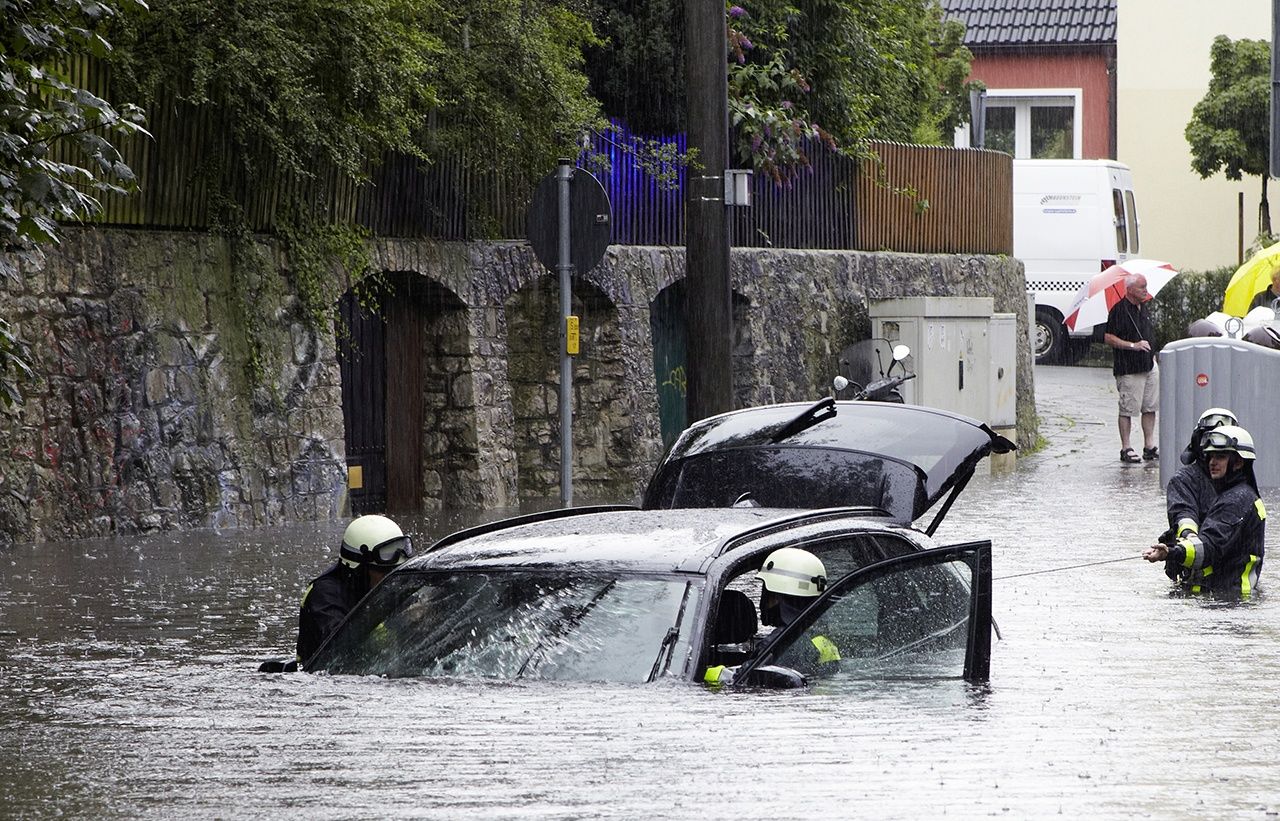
[1087, 72]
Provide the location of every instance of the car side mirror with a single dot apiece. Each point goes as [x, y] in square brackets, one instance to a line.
[773, 678]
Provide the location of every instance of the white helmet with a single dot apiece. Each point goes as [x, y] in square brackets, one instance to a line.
[793, 572]
[376, 541]
[1215, 417]
[1229, 439]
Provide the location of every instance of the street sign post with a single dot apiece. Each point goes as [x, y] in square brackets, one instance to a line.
[568, 224]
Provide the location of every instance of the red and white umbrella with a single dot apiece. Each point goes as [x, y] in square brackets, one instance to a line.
[1098, 296]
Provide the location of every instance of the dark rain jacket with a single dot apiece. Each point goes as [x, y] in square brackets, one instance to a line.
[1188, 497]
[326, 602]
[1225, 557]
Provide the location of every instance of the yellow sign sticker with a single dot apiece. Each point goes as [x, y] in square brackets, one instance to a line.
[355, 477]
[571, 335]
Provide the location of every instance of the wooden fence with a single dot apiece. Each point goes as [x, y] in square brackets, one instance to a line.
[912, 198]
[935, 200]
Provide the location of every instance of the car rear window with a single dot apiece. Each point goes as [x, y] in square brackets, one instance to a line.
[792, 477]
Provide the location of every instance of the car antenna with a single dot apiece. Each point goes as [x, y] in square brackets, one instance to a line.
[819, 411]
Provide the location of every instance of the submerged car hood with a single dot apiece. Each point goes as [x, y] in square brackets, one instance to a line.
[902, 458]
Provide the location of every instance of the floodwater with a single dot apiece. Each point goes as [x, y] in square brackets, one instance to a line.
[127, 670]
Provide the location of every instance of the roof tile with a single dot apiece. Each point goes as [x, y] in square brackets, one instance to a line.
[1034, 22]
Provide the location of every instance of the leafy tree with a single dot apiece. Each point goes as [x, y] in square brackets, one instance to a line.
[1230, 127]
[347, 80]
[838, 70]
[56, 152]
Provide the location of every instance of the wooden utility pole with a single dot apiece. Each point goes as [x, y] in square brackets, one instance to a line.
[708, 295]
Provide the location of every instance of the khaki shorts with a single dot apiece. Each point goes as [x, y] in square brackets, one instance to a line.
[1139, 392]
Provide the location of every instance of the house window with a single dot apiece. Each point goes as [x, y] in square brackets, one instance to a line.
[1001, 128]
[1051, 130]
[1037, 124]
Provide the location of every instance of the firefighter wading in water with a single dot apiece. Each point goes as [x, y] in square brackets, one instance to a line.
[1225, 557]
[371, 547]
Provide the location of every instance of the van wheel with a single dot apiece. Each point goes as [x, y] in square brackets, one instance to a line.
[1050, 338]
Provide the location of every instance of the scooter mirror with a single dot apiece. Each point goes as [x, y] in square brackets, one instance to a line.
[839, 383]
[900, 352]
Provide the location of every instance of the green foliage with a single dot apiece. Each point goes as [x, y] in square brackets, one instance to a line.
[56, 151]
[1189, 296]
[324, 260]
[834, 70]
[346, 80]
[14, 358]
[1230, 128]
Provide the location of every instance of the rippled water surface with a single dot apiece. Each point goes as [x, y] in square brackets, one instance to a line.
[129, 691]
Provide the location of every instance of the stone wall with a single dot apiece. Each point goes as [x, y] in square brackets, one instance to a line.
[172, 393]
[142, 417]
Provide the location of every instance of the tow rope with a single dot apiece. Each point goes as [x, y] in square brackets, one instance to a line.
[1068, 567]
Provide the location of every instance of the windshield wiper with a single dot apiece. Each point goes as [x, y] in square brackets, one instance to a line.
[819, 411]
[669, 640]
[565, 626]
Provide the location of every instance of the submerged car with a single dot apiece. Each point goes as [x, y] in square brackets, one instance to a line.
[667, 591]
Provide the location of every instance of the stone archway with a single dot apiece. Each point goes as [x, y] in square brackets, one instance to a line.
[408, 417]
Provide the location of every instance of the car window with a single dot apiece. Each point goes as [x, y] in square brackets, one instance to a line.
[516, 625]
[909, 623]
[805, 477]
[1117, 206]
[872, 448]
[736, 629]
[1131, 211]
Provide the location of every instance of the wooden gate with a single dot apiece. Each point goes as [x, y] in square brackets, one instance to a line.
[363, 362]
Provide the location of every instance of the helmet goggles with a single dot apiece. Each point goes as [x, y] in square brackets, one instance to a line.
[385, 554]
[1213, 420]
[1218, 441]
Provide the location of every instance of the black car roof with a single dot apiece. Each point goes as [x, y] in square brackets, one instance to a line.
[637, 541]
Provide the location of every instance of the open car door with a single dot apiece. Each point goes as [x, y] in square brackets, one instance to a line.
[923, 615]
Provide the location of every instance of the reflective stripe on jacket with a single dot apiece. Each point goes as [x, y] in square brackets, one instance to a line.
[1225, 558]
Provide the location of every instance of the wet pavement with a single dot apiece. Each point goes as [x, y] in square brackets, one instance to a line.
[129, 691]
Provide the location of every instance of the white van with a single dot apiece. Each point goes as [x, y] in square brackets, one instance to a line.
[1071, 220]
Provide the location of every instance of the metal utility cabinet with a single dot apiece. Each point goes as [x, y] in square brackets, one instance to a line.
[1219, 372]
[964, 355]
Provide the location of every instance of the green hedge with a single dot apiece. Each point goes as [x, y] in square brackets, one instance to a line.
[1189, 296]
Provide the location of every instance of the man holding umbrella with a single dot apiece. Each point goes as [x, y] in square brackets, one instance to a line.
[1129, 332]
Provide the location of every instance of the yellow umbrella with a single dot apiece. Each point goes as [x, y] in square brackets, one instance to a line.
[1249, 279]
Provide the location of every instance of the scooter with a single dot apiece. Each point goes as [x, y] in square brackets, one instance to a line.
[865, 361]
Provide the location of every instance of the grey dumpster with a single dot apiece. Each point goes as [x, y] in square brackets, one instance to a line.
[1209, 372]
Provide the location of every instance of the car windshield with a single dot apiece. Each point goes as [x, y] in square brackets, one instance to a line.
[785, 477]
[516, 625]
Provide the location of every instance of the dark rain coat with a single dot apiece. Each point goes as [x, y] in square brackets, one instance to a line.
[1188, 498]
[326, 602]
[1225, 557]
